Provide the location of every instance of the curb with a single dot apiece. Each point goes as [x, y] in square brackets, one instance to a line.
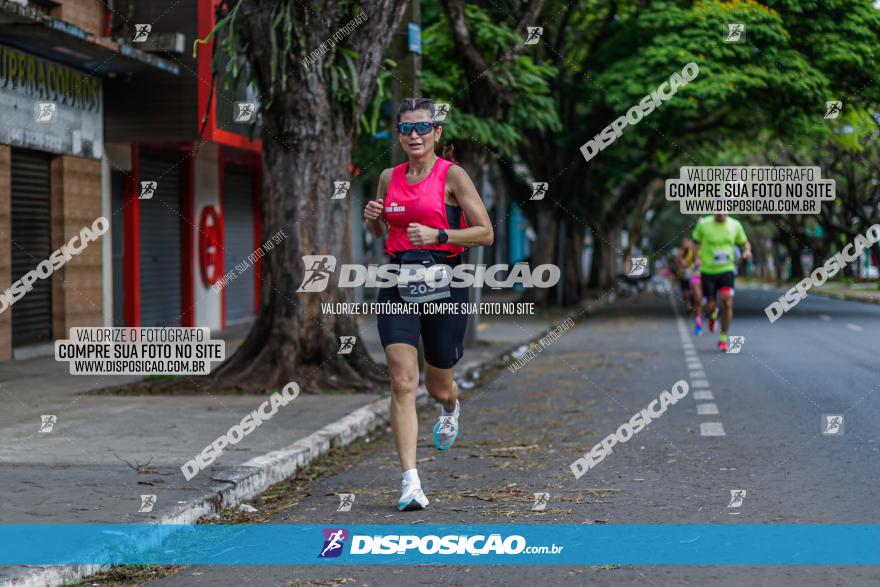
[842, 296]
[259, 473]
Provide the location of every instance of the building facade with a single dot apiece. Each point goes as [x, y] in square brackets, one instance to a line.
[105, 117]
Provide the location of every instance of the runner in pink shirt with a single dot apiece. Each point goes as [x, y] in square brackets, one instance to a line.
[431, 212]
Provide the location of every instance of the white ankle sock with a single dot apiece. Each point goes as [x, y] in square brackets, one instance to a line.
[411, 478]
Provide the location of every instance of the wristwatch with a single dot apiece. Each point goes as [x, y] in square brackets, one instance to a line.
[442, 237]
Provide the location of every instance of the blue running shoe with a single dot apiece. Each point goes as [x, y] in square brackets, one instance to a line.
[446, 429]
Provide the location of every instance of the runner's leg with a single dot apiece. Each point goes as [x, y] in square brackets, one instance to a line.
[403, 367]
[441, 385]
[726, 309]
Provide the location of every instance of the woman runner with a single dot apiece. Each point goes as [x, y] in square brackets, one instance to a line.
[421, 206]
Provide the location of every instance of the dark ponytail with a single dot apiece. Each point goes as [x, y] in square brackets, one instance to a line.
[448, 152]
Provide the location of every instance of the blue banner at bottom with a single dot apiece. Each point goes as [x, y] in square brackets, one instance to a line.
[532, 544]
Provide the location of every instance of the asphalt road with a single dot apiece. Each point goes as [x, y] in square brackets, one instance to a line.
[522, 430]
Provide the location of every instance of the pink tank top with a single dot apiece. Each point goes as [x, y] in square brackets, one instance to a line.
[424, 202]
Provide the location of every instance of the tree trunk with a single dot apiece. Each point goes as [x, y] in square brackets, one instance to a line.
[797, 265]
[603, 269]
[543, 252]
[292, 338]
[308, 135]
[574, 279]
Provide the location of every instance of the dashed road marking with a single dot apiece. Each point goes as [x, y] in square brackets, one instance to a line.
[855, 327]
[712, 429]
[825, 317]
[699, 383]
[707, 410]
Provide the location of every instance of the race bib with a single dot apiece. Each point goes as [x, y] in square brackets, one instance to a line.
[420, 278]
[721, 256]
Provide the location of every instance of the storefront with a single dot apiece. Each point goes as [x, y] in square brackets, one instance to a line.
[50, 187]
[177, 136]
[95, 127]
[55, 59]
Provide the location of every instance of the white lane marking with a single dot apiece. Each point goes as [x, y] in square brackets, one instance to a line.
[695, 366]
[707, 410]
[697, 374]
[712, 429]
[699, 383]
[825, 317]
[703, 395]
[855, 327]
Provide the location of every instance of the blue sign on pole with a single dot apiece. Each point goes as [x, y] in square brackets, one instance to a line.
[415, 38]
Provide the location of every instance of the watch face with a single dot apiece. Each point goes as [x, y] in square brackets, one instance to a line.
[442, 237]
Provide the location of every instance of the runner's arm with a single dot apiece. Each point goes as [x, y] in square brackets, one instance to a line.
[377, 226]
[744, 242]
[480, 232]
[679, 260]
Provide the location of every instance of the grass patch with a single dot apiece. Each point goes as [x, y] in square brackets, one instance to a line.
[129, 575]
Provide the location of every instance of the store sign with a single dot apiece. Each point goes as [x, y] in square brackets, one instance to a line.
[48, 106]
[210, 246]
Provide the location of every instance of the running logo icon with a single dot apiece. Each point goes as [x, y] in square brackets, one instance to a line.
[736, 344]
[736, 498]
[45, 112]
[539, 190]
[148, 188]
[244, 111]
[440, 113]
[47, 423]
[735, 33]
[346, 345]
[533, 35]
[147, 503]
[832, 424]
[318, 271]
[832, 109]
[334, 541]
[346, 500]
[141, 32]
[541, 500]
[340, 189]
[637, 266]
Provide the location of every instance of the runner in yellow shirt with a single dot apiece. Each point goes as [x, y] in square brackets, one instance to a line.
[715, 238]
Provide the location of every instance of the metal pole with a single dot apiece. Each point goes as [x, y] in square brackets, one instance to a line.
[406, 81]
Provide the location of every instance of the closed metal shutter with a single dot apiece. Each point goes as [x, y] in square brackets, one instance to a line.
[161, 297]
[238, 220]
[31, 244]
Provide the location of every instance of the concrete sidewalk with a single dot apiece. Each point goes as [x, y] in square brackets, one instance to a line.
[105, 452]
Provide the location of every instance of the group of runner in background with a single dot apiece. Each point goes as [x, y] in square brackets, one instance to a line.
[705, 267]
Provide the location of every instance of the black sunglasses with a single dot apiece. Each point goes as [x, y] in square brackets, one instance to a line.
[423, 128]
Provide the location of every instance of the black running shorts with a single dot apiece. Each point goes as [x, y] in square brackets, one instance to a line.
[442, 333]
[713, 282]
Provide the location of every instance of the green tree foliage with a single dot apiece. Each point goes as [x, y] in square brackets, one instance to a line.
[528, 82]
